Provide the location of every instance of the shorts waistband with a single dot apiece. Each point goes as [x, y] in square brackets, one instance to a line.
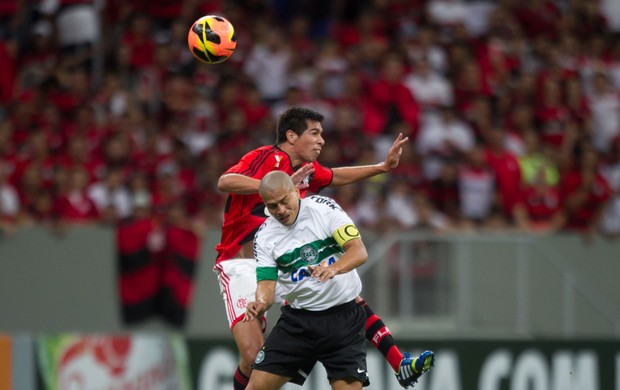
[331, 310]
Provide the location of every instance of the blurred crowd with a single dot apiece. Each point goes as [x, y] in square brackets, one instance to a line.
[512, 108]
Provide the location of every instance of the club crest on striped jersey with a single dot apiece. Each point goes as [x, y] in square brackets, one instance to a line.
[308, 254]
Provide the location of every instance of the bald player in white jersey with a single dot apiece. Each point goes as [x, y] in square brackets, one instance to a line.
[311, 248]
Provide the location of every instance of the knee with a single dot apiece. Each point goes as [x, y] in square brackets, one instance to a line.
[248, 354]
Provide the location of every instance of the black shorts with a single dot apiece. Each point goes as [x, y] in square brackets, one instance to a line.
[334, 337]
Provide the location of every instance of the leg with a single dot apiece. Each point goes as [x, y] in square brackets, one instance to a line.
[407, 369]
[237, 279]
[263, 380]
[380, 337]
[346, 384]
[249, 339]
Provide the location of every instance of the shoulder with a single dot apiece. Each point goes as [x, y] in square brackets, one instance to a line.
[256, 163]
[261, 152]
[322, 203]
[266, 230]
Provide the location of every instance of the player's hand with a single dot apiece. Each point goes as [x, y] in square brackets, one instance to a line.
[254, 310]
[323, 274]
[396, 150]
[299, 176]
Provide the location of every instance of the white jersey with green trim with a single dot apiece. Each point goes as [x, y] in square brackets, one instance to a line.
[284, 252]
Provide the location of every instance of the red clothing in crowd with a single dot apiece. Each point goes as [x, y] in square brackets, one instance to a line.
[383, 99]
[541, 205]
[508, 177]
[585, 213]
[76, 206]
[8, 74]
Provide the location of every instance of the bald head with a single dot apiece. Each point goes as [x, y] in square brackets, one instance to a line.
[281, 196]
[275, 181]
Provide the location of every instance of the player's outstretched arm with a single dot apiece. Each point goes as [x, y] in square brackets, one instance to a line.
[235, 183]
[346, 175]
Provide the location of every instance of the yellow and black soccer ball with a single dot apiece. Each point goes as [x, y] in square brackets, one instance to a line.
[211, 39]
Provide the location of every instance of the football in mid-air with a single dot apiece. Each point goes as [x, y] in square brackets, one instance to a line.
[211, 39]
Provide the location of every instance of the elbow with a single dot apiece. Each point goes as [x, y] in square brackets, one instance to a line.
[222, 184]
[363, 258]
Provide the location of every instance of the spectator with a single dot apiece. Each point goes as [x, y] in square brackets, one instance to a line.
[140, 190]
[429, 88]
[30, 187]
[539, 208]
[507, 171]
[333, 65]
[447, 13]
[111, 197]
[552, 114]
[389, 101]
[35, 152]
[531, 67]
[537, 18]
[345, 134]
[268, 65]
[73, 205]
[428, 217]
[7, 149]
[138, 40]
[477, 186]
[443, 138]
[444, 191]
[41, 60]
[399, 207]
[586, 18]
[610, 171]
[426, 45]
[9, 201]
[535, 164]
[585, 192]
[605, 105]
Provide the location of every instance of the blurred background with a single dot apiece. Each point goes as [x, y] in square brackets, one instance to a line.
[495, 241]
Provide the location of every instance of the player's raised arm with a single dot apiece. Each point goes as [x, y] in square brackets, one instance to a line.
[235, 183]
[346, 175]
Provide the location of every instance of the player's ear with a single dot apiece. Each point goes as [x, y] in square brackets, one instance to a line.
[291, 136]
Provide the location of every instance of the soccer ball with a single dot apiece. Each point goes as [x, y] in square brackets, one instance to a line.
[211, 39]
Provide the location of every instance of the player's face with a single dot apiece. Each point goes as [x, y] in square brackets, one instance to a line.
[283, 205]
[309, 144]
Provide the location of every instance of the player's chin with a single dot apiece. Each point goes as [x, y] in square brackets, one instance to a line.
[316, 153]
[286, 221]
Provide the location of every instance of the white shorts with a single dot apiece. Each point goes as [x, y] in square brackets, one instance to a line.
[237, 279]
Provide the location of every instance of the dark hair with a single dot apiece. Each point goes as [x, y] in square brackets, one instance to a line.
[295, 119]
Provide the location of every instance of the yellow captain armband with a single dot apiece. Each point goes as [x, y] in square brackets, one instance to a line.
[345, 233]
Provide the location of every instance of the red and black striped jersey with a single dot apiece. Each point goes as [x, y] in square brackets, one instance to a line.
[244, 214]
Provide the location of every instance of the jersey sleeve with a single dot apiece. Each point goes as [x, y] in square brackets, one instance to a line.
[241, 165]
[345, 233]
[266, 268]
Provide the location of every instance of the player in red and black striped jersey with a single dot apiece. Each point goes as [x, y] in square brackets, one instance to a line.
[299, 141]
[244, 213]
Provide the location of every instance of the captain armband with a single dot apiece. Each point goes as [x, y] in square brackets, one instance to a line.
[345, 233]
